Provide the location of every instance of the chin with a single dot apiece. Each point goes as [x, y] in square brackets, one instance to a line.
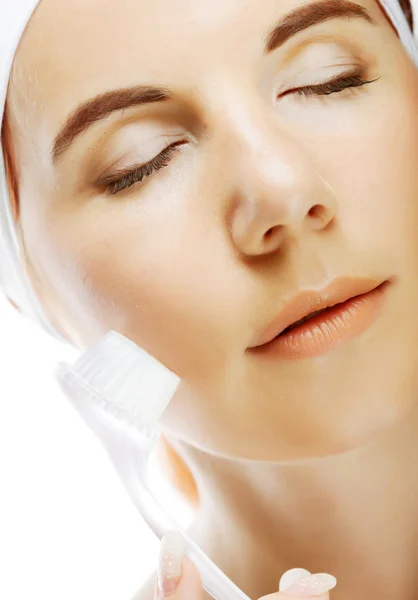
[305, 410]
[333, 419]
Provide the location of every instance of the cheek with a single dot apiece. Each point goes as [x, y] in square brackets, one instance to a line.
[166, 281]
[376, 181]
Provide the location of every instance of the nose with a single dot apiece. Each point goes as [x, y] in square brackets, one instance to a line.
[277, 192]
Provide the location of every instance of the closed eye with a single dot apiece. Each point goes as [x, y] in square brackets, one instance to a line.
[127, 177]
[337, 84]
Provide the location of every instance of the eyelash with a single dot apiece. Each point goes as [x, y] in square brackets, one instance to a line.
[126, 178]
[337, 84]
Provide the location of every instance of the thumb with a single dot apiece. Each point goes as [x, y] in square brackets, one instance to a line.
[299, 583]
[285, 596]
[178, 578]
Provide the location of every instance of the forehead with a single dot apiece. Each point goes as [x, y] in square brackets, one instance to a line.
[146, 38]
[79, 49]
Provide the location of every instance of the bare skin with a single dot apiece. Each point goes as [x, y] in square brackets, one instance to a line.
[307, 463]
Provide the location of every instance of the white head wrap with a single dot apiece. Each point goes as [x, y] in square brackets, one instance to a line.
[14, 282]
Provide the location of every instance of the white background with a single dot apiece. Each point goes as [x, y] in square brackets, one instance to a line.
[68, 531]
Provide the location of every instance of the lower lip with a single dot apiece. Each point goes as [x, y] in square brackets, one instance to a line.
[328, 330]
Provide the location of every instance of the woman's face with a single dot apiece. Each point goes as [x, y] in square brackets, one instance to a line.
[256, 187]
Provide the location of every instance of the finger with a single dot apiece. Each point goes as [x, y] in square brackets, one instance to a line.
[300, 583]
[178, 578]
[285, 596]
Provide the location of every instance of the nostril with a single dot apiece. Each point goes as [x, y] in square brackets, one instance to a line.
[316, 212]
[272, 238]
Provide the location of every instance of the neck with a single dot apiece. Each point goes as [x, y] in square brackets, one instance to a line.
[353, 515]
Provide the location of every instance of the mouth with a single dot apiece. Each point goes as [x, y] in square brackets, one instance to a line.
[305, 319]
[314, 322]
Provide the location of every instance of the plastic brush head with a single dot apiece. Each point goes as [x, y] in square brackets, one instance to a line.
[125, 380]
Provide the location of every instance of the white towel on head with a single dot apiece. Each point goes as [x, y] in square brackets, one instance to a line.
[14, 16]
[14, 283]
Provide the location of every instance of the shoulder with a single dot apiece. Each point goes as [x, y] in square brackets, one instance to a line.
[146, 592]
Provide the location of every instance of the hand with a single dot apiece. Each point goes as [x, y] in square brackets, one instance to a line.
[178, 578]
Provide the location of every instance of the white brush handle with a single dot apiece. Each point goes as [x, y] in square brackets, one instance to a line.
[214, 581]
[129, 453]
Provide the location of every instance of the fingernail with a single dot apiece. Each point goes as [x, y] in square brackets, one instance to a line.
[299, 582]
[170, 563]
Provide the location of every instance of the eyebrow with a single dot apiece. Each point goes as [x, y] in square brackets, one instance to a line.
[100, 107]
[91, 111]
[312, 14]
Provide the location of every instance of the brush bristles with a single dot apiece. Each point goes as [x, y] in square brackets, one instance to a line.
[133, 385]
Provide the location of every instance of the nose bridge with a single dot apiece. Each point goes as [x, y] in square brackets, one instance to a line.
[263, 154]
[276, 188]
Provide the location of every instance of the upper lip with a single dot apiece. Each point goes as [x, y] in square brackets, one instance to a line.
[338, 291]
